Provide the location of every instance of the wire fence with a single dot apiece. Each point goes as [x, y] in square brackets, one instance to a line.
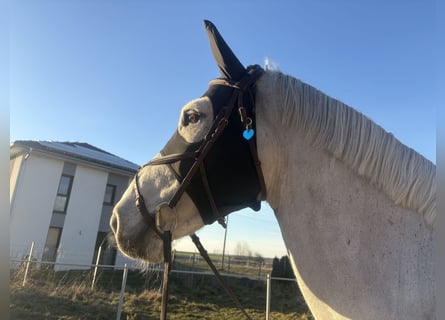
[120, 292]
[192, 261]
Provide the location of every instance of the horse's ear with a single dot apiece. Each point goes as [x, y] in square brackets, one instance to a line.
[228, 63]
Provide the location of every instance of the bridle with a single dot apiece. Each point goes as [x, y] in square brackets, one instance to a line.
[197, 157]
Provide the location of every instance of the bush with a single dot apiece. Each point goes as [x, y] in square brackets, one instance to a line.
[281, 268]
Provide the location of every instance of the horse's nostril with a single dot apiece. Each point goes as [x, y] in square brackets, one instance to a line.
[113, 223]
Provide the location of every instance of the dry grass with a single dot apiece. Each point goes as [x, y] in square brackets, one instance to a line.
[68, 296]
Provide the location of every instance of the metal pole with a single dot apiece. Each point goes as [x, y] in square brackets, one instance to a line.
[99, 252]
[167, 266]
[121, 298]
[28, 262]
[260, 262]
[268, 282]
[224, 245]
[193, 269]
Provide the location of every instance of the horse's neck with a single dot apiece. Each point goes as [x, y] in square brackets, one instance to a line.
[344, 234]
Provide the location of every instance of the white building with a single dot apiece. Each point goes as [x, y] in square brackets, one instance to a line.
[61, 198]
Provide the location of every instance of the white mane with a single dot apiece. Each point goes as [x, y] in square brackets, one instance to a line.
[404, 175]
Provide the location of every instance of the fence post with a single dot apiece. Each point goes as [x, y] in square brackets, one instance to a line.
[95, 267]
[121, 297]
[193, 269]
[259, 268]
[268, 282]
[28, 263]
[224, 244]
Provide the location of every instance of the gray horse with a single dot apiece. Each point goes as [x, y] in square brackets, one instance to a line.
[356, 207]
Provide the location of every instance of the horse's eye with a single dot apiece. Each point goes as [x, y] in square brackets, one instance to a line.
[191, 117]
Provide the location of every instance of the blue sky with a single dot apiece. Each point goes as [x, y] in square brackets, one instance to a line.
[116, 73]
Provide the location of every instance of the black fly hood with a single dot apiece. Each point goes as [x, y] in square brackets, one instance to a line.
[221, 173]
[228, 168]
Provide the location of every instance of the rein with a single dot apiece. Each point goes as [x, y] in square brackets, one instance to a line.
[219, 124]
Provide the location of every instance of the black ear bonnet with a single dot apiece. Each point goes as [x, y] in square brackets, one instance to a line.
[231, 178]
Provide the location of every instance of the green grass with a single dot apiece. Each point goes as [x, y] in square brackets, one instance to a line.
[67, 295]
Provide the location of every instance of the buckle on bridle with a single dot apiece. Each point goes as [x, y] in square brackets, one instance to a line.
[165, 217]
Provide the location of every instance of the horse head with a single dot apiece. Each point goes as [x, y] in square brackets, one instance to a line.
[207, 169]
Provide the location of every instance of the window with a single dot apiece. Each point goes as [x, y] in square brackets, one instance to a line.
[108, 251]
[51, 244]
[63, 194]
[109, 194]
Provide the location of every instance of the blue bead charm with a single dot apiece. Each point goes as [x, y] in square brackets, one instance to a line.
[248, 134]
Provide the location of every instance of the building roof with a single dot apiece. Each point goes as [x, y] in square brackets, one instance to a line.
[80, 151]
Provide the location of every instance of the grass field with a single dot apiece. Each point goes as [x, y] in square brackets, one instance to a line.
[68, 295]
